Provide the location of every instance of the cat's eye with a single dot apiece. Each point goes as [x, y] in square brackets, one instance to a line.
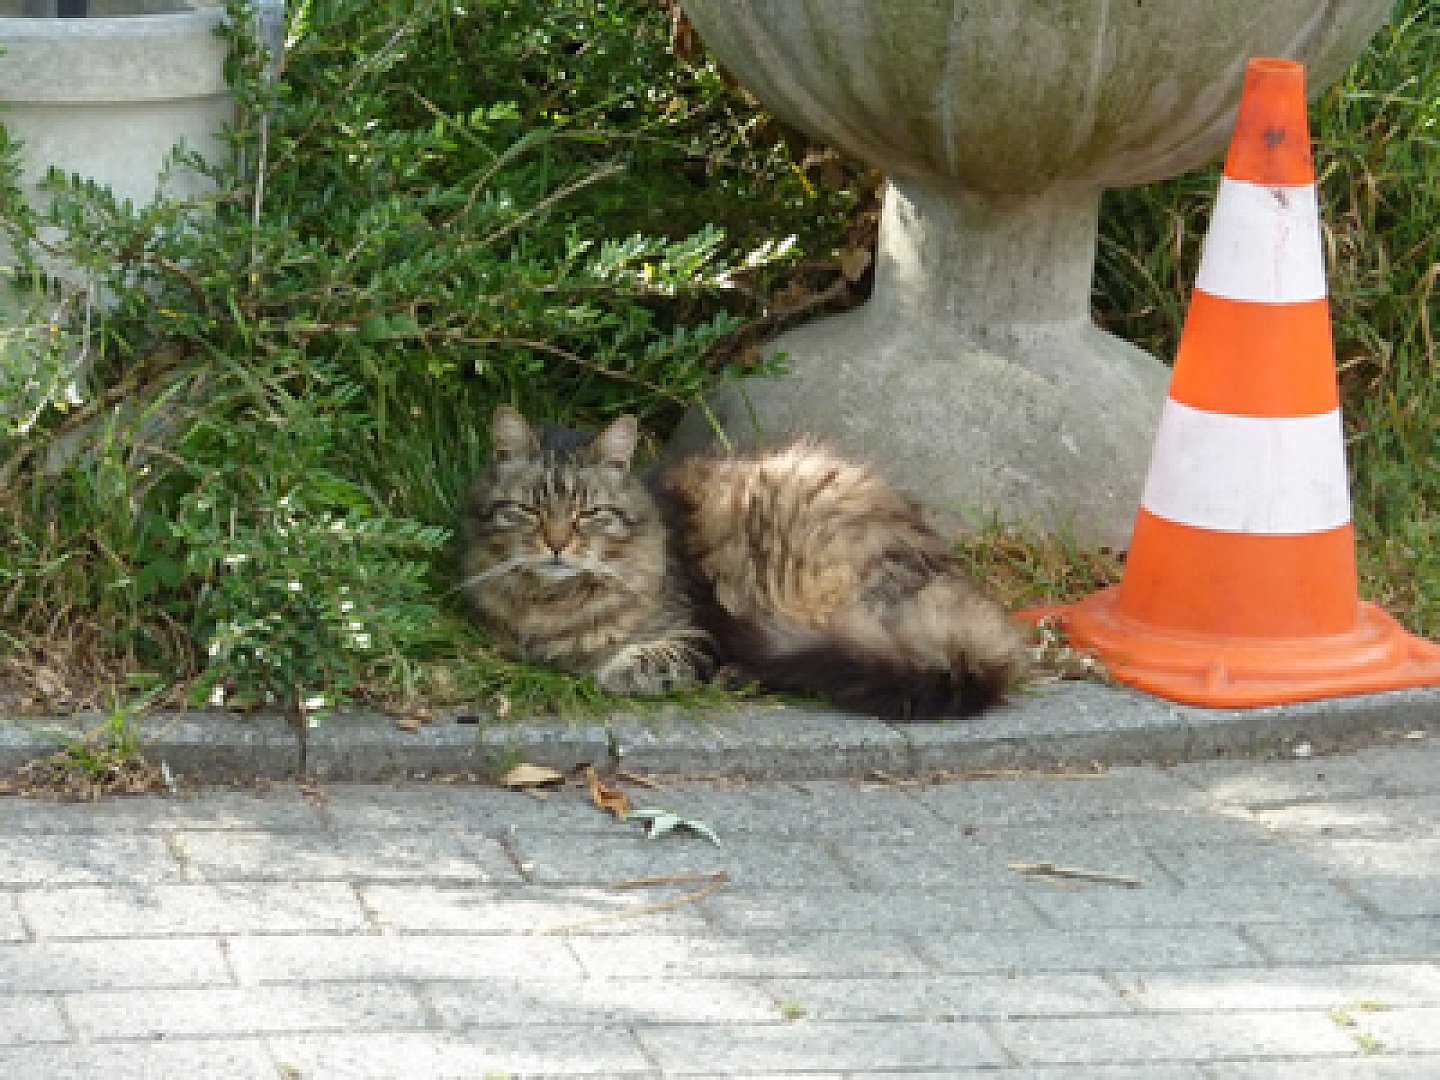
[608, 519]
[507, 512]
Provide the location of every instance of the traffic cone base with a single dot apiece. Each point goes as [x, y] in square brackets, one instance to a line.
[1375, 655]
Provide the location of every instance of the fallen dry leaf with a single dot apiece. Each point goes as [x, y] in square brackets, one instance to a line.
[854, 261]
[608, 798]
[525, 775]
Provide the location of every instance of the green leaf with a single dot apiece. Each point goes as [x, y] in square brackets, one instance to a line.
[373, 329]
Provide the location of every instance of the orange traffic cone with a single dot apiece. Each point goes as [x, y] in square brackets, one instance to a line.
[1240, 586]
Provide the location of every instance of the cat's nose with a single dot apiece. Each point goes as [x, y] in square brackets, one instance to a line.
[557, 537]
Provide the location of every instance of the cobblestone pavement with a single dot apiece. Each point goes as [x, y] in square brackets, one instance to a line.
[1283, 921]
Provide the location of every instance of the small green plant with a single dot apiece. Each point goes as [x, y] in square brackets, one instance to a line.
[1342, 1018]
[110, 760]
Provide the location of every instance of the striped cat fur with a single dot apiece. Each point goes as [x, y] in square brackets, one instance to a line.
[804, 571]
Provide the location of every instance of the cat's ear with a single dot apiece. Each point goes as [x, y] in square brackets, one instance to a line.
[615, 446]
[513, 439]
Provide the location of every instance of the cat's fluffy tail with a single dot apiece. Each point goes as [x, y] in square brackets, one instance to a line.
[943, 654]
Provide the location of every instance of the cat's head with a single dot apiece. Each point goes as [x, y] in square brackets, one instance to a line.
[555, 508]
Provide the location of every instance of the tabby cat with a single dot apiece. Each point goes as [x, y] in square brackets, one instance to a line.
[802, 570]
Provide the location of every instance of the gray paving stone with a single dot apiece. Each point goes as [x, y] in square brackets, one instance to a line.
[815, 808]
[603, 1002]
[972, 863]
[262, 856]
[1219, 865]
[1080, 950]
[1150, 905]
[809, 1045]
[66, 859]
[352, 958]
[1169, 1038]
[1129, 846]
[1411, 858]
[53, 966]
[460, 809]
[1378, 941]
[1369, 1067]
[1049, 1072]
[752, 955]
[212, 1059]
[229, 908]
[31, 1018]
[949, 997]
[605, 860]
[1399, 898]
[26, 817]
[10, 926]
[245, 1011]
[895, 909]
[277, 807]
[1086, 796]
[480, 1052]
[1406, 768]
[530, 909]
[1254, 989]
[1377, 817]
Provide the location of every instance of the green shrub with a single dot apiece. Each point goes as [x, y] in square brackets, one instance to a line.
[432, 209]
[435, 208]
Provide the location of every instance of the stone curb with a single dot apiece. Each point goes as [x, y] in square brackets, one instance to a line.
[1066, 724]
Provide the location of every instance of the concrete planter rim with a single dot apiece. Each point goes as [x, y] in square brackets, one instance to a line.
[100, 60]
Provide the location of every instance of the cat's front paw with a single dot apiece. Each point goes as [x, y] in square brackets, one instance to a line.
[651, 668]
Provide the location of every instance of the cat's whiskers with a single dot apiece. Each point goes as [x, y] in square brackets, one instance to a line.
[544, 567]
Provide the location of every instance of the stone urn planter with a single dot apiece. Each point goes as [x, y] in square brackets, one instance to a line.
[975, 376]
[109, 95]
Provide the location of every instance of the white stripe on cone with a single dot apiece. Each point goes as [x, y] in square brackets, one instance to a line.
[1263, 244]
[1248, 474]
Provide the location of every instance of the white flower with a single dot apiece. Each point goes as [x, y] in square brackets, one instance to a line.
[347, 605]
[235, 560]
[217, 695]
[294, 586]
[313, 702]
[360, 641]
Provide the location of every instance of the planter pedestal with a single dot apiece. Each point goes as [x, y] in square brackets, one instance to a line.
[975, 377]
